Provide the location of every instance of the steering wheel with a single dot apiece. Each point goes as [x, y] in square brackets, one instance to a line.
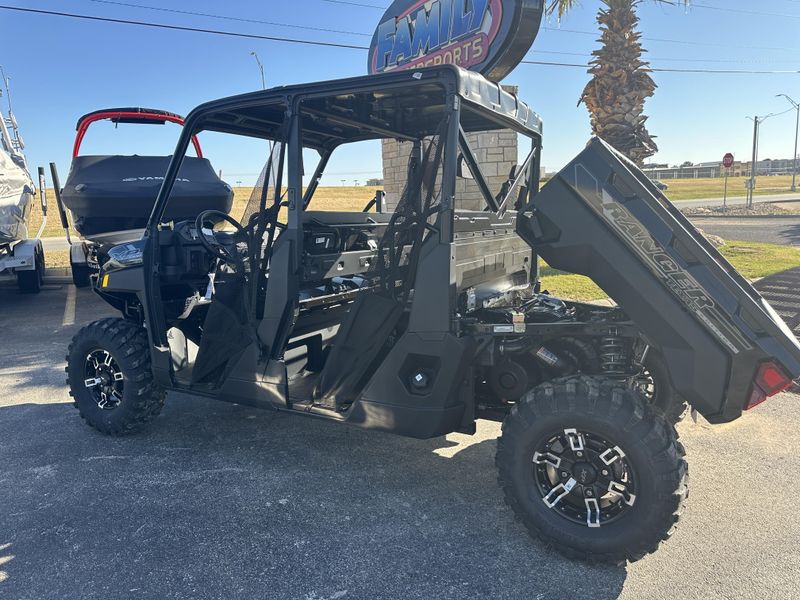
[206, 222]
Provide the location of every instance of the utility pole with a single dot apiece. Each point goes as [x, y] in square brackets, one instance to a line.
[261, 68]
[796, 134]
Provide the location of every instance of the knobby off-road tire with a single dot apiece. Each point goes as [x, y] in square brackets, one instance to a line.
[621, 435]
[109, 377]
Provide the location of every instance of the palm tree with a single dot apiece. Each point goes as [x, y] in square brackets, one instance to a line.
[620, 82]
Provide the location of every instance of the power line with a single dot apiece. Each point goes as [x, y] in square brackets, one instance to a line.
[680, 42]
[700, 60]
[356, 4]
[744, 11]
[666, 70]
[269, 38]
[328, 44]
[362, 34]
[645, 38]
[228, 17]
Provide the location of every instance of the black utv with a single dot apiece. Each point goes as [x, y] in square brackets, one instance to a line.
[422, 319]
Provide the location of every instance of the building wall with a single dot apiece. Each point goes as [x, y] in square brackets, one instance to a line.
[496, 152]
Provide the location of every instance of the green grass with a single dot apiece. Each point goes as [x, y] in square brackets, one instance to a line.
[753, 260]
[695, 189]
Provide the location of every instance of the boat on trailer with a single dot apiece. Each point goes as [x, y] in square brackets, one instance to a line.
[19, 255]
[110, 196]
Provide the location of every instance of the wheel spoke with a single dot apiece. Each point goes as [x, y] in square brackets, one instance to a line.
[575, 438]
[118, 376]
[108, 359]
[91, 382]
[558, 492]
[612, 454]
[547, 459]
[592, 512]
[621, 491]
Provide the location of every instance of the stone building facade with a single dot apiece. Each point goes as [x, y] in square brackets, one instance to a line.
[495, 151]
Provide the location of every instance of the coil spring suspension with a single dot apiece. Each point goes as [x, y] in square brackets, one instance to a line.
[613, 354]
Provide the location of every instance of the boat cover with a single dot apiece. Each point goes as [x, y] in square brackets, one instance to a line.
[16, 199]
[602, 217]
[116, 193]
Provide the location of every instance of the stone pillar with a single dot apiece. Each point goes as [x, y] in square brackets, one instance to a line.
[496, 152]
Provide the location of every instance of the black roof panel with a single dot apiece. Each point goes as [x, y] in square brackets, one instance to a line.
[406, 103]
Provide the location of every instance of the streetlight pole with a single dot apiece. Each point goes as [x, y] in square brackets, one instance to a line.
[751, 185]
[796, 135]
[261, 68]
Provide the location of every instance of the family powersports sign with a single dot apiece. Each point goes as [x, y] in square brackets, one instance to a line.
[488, 36]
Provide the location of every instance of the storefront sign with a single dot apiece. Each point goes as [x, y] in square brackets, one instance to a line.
[488, 36]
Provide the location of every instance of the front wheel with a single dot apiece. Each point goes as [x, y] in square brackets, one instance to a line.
[592, 469]
[109, 377]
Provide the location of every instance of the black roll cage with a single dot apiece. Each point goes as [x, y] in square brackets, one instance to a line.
[467, 97]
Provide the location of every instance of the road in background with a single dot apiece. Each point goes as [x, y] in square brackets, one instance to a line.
[216, 500]
[779, 230]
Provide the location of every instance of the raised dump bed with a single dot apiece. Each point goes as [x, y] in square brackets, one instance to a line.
[603, 218]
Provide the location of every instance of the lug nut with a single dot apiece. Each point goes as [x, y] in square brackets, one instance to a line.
[605, 471]
[564, 474]
[589, 493]
[579, 454]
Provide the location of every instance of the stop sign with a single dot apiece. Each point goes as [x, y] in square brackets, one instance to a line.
[727, 160]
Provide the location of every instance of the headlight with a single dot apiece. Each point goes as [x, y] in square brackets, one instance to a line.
[125, 255]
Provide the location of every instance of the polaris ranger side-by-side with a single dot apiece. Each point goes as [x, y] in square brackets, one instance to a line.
[421, 320]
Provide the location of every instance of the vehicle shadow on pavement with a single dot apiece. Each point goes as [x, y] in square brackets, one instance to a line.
[222, 501]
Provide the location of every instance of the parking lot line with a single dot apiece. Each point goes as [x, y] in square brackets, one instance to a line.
[69, 307]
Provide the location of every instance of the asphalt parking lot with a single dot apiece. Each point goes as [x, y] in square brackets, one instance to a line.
[221, 501]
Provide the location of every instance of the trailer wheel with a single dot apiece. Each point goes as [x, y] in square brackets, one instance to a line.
[30, 282]
[591, 469]
[81, 275]
[109, 376]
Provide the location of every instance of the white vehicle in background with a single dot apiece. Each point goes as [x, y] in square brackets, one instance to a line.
[19, 255]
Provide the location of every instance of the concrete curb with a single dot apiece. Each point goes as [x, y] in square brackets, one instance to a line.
[742, 216]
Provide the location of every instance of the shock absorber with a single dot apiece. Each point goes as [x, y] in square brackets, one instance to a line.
[613, 355]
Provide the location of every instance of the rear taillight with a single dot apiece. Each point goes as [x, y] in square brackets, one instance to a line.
[769, 380]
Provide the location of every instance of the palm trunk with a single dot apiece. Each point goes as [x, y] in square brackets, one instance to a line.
[620, 83]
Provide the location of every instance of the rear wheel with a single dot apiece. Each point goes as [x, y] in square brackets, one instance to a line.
[109, 376]
[654, 384]
[592, 469]
[81, 275]
[30, 282]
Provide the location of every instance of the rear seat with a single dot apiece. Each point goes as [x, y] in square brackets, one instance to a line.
[340, 246]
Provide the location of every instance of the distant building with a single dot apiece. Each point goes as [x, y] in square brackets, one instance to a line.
[715, 169]
[375, 182]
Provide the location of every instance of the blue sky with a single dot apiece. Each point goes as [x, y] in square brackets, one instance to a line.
[61, 68]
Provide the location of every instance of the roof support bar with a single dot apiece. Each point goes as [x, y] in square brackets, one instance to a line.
[314, 183]
[519, 176]
[356, 124]
[472, 163]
